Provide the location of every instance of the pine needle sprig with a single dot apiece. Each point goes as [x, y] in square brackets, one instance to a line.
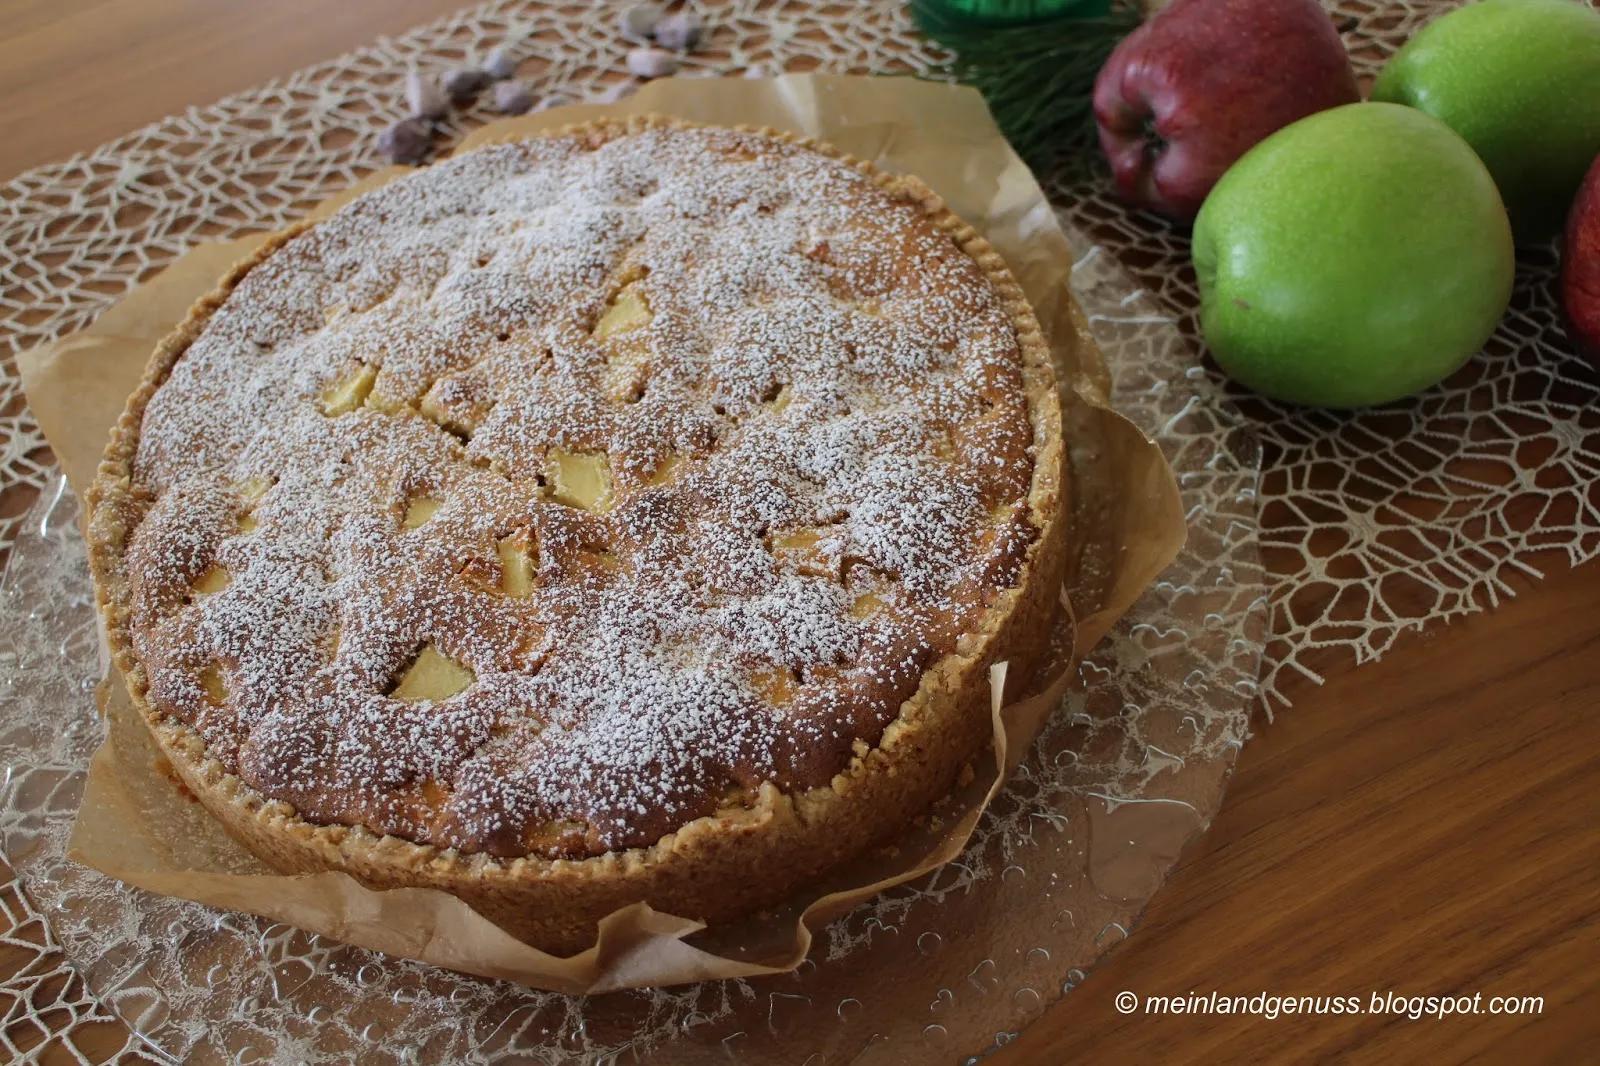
[1039, 80]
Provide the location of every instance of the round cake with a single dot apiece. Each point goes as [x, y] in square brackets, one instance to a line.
[627, 513]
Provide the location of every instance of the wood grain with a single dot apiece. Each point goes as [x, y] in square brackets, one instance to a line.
[1424, 825]
[77, 73]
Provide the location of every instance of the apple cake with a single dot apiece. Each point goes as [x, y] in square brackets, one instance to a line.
[631, 512]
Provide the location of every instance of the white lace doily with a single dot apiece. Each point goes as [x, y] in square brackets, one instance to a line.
[1377, 522]
[1374, 522]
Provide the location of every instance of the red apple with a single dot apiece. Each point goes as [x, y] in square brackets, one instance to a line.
[1191, 90]
[1580, 266]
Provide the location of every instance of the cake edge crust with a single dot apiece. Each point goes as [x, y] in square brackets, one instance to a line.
[715, 868]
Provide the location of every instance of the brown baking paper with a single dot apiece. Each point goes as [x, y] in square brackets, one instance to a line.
[137, 825]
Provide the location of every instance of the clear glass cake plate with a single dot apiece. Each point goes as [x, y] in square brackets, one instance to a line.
[1130, 769]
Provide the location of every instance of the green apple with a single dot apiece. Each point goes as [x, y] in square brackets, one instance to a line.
[1354, 257]
[1520, 80]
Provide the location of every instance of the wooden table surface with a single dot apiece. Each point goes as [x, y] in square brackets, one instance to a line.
[1426, 825]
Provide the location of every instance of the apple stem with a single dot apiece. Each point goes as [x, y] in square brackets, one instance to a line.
[1154, 143]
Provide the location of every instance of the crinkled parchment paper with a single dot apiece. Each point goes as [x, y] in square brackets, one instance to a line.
[137, 825]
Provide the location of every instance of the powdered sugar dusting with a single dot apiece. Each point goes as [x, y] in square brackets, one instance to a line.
[816, 452]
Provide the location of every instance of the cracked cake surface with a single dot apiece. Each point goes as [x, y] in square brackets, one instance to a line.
[550, 498]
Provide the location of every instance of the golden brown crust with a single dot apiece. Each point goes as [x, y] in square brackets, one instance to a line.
[702, 870]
